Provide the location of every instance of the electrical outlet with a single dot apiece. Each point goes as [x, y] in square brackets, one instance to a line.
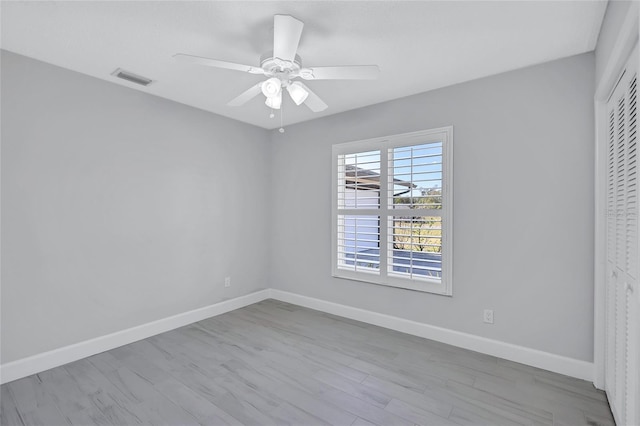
[227, 281]
[488, 316]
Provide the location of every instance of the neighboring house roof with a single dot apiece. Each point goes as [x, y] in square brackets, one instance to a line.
[367, 179]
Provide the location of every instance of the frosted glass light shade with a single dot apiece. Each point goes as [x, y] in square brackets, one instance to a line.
[274, 101]
[271, 87]
[297, 92]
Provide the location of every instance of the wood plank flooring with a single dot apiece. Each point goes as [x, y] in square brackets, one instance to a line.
[274, 363]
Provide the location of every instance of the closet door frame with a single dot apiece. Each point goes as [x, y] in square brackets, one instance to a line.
[627, 39]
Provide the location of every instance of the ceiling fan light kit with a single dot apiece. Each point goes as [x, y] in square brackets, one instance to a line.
[283, 66]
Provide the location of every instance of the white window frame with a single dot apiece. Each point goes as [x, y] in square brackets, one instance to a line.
[383, 144]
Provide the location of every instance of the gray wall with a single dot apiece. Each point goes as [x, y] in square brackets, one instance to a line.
[613, 19]
[523, 222]
[119, 208]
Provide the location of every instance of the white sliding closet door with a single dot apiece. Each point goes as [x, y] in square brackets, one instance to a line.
[622, 357]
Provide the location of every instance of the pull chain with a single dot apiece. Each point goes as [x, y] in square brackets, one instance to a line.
[281, 130]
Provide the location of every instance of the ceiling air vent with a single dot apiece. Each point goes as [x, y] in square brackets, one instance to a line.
[134, 78]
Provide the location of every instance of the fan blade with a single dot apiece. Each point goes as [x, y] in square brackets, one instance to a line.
[247, 95]
[314, 103]
[286, 36]
[355, 72]
[216, 63]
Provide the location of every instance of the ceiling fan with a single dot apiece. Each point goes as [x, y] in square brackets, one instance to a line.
[283, 66]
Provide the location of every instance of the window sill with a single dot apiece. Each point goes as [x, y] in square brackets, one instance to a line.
[423, 286]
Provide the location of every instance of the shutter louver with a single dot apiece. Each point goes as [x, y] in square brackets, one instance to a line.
[620, 255]
[358, 243]
[358, 197]
[416, 244]
[622, 339]
[415, 181]
[611, 195]
[631, 366]
[631, 225]
[620, 183]
[611, 294]
[359, 181]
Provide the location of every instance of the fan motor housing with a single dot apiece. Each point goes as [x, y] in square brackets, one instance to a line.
[276, 65]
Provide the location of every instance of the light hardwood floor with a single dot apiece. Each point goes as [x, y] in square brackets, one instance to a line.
[276, 363]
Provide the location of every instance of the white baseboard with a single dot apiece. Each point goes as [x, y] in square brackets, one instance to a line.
[536, 358]
[35, 364]
[24, 367]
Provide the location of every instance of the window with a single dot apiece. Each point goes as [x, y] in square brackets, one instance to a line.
[392, 210]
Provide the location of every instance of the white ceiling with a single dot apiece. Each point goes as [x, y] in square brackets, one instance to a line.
[419, 46]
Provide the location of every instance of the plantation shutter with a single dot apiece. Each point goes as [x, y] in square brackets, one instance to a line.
[416, 238]
[358, 221]
[392, 204]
